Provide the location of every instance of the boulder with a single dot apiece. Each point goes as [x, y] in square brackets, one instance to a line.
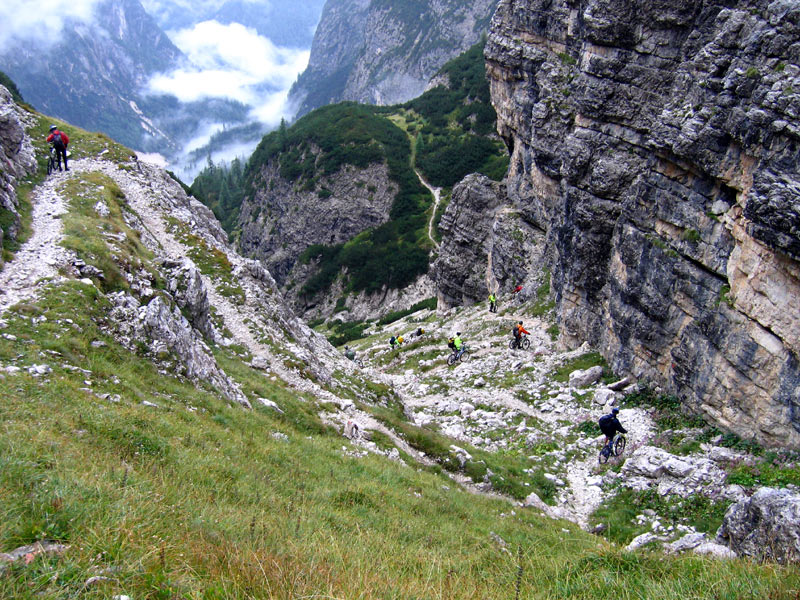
[586, 377]
[604, 397]
[687, 542]
[764, 526]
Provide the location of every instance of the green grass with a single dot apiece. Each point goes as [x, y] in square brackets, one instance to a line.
[585, 361]
[89, 235]
[618, 513]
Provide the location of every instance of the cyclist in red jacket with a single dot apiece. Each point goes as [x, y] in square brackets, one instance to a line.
[60, 141]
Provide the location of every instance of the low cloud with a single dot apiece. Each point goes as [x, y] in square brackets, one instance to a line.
[233, 61]
[42, 21]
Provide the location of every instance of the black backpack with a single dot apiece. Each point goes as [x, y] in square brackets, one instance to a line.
[58, 143]
[605, 421]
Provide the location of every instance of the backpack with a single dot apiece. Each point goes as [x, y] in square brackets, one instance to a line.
[392, 340]
[605, 421]
[58, 143]
[451, 344]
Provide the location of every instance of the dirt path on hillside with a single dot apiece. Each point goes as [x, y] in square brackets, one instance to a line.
[41, 256]
[437, 197]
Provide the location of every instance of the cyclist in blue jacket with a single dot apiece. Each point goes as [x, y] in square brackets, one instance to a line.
[610, 425]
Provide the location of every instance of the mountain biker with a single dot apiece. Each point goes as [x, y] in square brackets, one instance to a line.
[610, 425]
[392, 342]
[492, 303]
[60, 142]
[457, 343]
[349, 353]
[518, 331]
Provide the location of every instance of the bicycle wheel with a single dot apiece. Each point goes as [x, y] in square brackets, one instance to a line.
[526, 344]
[51, 166]
[604, 454]
[512, 344]
[619, 445]
[359, 363]
[464, 356]
[451, 359]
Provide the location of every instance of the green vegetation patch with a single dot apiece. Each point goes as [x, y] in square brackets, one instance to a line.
[585, 361]
[619, 512]
[670, 412]
[104, 242]
[427, 304]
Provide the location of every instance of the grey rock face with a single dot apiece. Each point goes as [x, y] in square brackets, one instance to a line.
[654, 146]
[764, 526]
[386, 53]
[282, 220]
[170, 339]
[16, 160]
[100, 66]
[486, 244]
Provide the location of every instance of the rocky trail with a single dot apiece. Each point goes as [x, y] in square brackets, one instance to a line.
[41, 256]
[540, 403]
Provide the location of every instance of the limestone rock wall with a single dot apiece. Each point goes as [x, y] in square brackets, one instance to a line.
[656, 146]
[283, 218]
[487, 245]
[379, 52]
[16, 161]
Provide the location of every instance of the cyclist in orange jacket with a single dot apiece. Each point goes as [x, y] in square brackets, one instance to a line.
[518, 331]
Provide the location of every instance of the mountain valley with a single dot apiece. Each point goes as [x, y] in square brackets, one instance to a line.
[180, 418]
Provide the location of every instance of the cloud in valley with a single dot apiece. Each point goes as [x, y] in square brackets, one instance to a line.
[40, 21]
[233, 61]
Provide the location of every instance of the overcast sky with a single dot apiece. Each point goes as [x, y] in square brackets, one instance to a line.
[233, 61]
[20, 20]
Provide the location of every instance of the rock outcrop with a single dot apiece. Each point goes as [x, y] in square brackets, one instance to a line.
[765, 526]
[283, 219]
[16, 161]
[486, 245]
[655, 145]
[385, 53]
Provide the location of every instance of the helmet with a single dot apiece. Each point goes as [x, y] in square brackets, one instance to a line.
[458, 333]
[53, 127]
[614, 410]
[520, 322]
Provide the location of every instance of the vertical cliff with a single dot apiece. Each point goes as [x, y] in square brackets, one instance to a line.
[17, 161]
[656, 145]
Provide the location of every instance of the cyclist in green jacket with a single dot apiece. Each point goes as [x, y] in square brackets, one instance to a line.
[492, 303]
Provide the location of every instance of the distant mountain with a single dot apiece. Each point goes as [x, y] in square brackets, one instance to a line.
[93, 76]
[386, 51]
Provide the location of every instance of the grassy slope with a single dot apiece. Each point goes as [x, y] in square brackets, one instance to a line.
[195, 499]
[210, 504]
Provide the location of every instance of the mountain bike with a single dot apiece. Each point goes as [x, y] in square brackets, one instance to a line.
[52, 162]
[524, 343]
[615, 447]
[459, 355]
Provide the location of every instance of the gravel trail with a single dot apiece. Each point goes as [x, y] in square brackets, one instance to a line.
[41, 256]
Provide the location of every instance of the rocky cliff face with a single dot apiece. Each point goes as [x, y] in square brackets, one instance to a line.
[283, 219]
[486, 245]
[655, 145]
[17, 162]
[380, 52]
